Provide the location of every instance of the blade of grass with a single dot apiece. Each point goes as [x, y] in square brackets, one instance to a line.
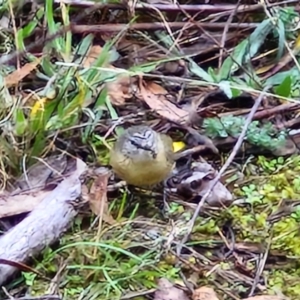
[58, 42]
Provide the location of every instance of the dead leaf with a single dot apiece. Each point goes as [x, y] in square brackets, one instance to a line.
[119, 89]
[155, 96]
[288, 148]
[199, 181]
[166, 291]
[98, 196]
[18, 204]
[204, 293]
[93, 53]
[15, 77]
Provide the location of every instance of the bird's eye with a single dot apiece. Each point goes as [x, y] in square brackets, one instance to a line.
[195, 184]
[134, 142]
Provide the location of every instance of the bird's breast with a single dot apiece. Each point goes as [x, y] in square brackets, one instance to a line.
[143, 172]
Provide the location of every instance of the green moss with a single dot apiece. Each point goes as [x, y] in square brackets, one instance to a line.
[287, 283]
[286, 236]
[207, 226]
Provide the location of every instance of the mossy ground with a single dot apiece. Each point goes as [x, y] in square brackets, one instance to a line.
[62, 104]
[135, 252]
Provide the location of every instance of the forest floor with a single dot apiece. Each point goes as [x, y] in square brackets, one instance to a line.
[225, 77]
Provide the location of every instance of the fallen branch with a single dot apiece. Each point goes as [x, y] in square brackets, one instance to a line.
[43, 226]
[155, 26]
[177, 7]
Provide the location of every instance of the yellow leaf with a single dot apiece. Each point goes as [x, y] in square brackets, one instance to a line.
[297, 43]
[39, 105]
[177, 146]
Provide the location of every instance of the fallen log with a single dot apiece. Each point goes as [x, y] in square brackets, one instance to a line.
[43, 226]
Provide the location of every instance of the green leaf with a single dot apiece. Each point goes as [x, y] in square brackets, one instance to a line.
[225, 87]
[214, 128]
[145, 68]
[281, 39]
[212, 73]
[236, 92]
[112, 111]
[83, 47]
[28, 29]
[21, 122]
[198, 71]
[39, 144]
[68, 34]
[279, 77]
[93, 120]
[101, 99]
[48, 67]
[234, 61]
[58, 42]
[284, 89]
[258, 37]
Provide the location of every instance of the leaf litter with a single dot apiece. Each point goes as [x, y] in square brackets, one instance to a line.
[184, 91]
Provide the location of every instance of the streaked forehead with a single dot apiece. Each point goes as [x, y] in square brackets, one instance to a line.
[144, 135]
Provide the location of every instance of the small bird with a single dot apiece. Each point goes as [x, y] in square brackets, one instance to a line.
[142, 156]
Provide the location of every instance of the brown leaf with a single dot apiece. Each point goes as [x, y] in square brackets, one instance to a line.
[198, 182]
[166, 291]
[18, 204]
[155, 96]
[93, 53]
[15, 77]
[204, 293]
[288, 148]
[120, 89]
[98, 196]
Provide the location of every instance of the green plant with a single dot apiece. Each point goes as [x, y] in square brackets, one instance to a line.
[296, 214]
[262, 135]
[251, 194]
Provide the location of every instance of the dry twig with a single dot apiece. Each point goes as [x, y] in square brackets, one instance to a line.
[223, 169]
